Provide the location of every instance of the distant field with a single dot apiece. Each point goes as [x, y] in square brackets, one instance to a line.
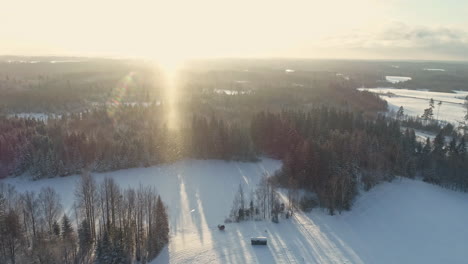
[414, 102]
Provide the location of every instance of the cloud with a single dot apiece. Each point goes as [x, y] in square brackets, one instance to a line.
[399, 38]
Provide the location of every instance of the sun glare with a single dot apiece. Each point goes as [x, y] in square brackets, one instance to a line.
[170, 65]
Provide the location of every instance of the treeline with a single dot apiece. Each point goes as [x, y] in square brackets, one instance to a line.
[445, 164]
[107, 225]
[216, 139]
[114, 138]
[433, 126]
[333, 153]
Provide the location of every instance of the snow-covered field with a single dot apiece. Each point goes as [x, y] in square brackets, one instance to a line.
[429, 69]
[415, 101]
[397, 79]
[404, 221]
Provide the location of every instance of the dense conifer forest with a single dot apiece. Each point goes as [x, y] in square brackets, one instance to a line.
[326, 150]
[333, 153]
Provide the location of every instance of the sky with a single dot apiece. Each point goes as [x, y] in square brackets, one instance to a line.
[175, 30]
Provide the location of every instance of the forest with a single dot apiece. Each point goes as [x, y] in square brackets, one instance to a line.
[64, 88]
[116, 135]
[325, 150]
[333, 141]
[107, 224]
[333, 153]
[133, 137]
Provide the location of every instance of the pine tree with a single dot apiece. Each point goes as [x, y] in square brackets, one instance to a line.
[401, 113]
[428, 114]
[431, 103]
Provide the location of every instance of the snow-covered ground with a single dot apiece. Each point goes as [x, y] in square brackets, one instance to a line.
[415, 101]
[38, 116]
[422, 136]
[429, 69]
[397, 79]
[405, 221]
[231, 92]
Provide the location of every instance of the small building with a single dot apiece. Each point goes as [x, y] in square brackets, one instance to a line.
[259, 241]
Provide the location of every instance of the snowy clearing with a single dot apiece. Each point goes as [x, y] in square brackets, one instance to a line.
[428, 69]
[415, 101]
[397, 79]
[405, 221]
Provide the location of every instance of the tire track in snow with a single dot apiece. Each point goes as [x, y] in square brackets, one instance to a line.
[324, 250]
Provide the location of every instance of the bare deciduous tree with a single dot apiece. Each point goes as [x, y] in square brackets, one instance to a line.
[49, 203]
[86, 195]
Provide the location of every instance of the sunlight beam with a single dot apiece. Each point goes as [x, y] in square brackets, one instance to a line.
[170, 65]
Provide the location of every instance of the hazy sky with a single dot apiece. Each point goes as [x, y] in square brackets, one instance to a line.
[174, 29]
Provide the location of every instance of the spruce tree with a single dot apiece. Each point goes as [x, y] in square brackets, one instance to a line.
[67, 228]
[162, 224]
[84, 236]
[56, 229]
